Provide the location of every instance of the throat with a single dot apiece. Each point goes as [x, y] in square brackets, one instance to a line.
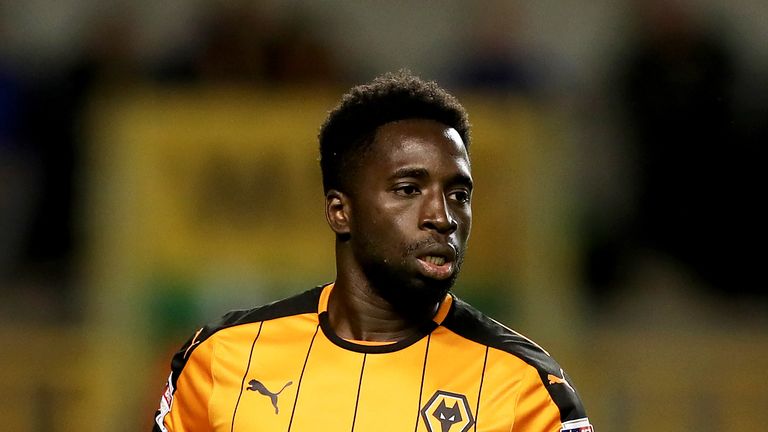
[374, 336]
[361, 315]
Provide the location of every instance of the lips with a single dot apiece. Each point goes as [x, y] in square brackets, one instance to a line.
[437, 260]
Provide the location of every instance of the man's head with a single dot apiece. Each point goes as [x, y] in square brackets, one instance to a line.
[398, 187]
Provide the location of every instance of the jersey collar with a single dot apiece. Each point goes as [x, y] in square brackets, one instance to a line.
[359, 346]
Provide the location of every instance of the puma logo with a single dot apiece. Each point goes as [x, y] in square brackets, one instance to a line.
[256, 386]
[554, 379]
[193, 343]
[447, 416]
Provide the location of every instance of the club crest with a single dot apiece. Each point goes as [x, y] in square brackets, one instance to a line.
[447, 412]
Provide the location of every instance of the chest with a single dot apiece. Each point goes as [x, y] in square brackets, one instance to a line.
[301, 381]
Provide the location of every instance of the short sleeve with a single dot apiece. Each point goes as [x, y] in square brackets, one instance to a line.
[184, 404]
[534, 409]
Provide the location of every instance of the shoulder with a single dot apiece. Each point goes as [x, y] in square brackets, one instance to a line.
[303, 303]
[469, 323]
[191, 364]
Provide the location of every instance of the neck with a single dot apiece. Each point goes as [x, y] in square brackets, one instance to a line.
[356, 310]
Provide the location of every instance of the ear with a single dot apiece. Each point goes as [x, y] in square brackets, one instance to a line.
[337, 208]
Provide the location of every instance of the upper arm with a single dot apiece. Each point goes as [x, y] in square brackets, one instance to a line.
[548, 402]
[184, 405]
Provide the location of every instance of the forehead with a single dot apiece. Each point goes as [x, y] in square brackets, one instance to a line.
[420, 142]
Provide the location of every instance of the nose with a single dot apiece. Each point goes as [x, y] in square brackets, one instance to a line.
[436, 216]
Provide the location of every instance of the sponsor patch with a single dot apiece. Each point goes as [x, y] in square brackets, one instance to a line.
[165, 404]
[579, 425]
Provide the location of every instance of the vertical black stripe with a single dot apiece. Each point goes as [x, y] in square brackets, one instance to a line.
[245, 376]
[301, 377]
[359, 385]
[421, 386]
[480, 391]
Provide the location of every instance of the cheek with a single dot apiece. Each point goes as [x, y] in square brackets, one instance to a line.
[392, 216]
[465, 223]
[403, 221]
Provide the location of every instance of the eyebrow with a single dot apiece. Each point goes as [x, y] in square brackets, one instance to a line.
[420, 173]
[409, 172]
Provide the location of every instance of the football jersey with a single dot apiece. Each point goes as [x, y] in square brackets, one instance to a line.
[281, 367]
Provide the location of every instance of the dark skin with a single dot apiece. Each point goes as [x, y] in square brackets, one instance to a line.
[402, 226]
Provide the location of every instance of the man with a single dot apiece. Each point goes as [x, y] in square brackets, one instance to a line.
[386, 347]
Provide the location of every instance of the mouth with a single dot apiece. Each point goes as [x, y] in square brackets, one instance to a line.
[437, 262]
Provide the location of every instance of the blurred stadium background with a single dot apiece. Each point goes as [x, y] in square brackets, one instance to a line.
[158, 167]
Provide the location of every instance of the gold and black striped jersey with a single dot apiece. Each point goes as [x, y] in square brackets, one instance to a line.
[280, 367]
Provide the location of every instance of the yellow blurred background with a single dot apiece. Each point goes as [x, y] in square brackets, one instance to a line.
[159, 166]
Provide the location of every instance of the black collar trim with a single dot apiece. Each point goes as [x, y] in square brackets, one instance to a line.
[325, 325]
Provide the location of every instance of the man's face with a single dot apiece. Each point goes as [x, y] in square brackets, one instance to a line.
[410, 212]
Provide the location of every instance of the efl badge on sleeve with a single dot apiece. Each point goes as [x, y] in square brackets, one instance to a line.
[165, 404]
[580, 425]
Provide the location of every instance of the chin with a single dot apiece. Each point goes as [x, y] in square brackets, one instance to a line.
[408, 292]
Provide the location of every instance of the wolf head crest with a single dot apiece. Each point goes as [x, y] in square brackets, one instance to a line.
[447, 416]
[447, 412]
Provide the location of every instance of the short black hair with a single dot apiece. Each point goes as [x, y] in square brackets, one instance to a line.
[351, 126]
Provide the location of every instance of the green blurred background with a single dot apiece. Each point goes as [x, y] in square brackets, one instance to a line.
[159, 166]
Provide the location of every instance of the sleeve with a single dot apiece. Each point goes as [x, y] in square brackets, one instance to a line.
[547, 402]
[184, 404]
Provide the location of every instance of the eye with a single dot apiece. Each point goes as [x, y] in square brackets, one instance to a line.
[461, 196]
[407, 190]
